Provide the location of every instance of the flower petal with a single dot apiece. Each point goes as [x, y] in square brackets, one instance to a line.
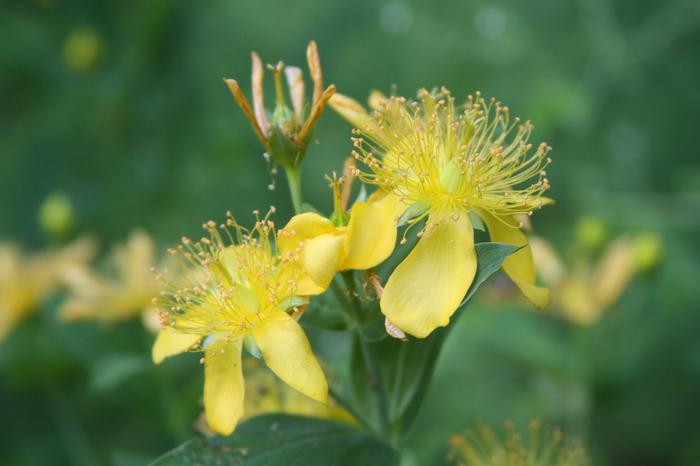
[377, 100]
[351, 110]
[169, 343]
[613, 272]
[287, 352]
[371, 233]
[321, 247]
[300, 228]
[518, 266]
[223, 385]
[322, 257]
[547, 261]
[427, 287]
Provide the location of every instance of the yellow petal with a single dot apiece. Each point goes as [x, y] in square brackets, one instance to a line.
[614, 272]
[321, 247]
[350, 110]
[295, 81]
[547, 262]
[322, 257]
[169, 343]
[519, 266]
[300, 228]
[371, 233]
[427, 287]
[223, 385]
[377, 100]
[287, 352]
[576, 300]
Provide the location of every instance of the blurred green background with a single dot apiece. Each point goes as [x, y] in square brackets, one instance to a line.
[121, 106]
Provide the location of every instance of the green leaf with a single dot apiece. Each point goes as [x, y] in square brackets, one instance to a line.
[490, 257]
[251, 347]
[325, 312]
[373, 328]
[281, 440]
[111, 371]
[306, 207]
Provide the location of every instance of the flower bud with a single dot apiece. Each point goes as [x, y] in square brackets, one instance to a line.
[56, 216]
[82, 50]
[648, 251]
[284, 131]
[591, 232]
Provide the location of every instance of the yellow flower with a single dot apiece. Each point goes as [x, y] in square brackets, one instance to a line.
[450, 166]
[128, 293]
[241, 291]
[583, 291]
[26, 281]
[264, 394]
[482, 446]
[367, 239]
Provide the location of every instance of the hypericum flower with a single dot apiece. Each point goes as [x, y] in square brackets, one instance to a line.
[481, 446]
[128, 293]
[26, 281]
[359, 240]
[585, 290]
[239, 288]
[285, 133]
[451, 166]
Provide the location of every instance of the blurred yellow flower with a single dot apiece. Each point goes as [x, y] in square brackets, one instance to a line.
[266, 394]
[247, 293]
[482, 446]
[127, 293]
[583, 291]
[450, 166]
[26, 281]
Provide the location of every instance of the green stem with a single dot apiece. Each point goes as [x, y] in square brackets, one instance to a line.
[376, 376]
[398, 376]
[367, 354]
[294, 180]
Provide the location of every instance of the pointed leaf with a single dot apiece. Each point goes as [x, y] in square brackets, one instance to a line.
[281, 440]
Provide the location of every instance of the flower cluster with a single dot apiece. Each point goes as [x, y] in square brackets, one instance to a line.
[436, 168]
[482, 446]
[25, 281]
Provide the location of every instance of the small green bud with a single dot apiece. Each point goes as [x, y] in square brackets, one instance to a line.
[82, 50]
[648, 251]
[56, 216]
[591, 232]
[282, 148]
